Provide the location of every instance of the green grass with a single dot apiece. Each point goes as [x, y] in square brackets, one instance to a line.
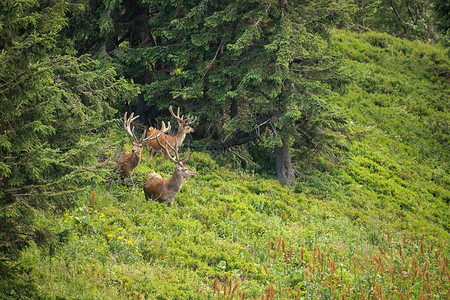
[398, 104]
[225, 226]
[375, 226]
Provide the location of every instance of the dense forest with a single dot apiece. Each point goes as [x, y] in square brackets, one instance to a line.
[315, 134]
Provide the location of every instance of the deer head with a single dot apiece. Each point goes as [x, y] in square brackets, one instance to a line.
[182, 122]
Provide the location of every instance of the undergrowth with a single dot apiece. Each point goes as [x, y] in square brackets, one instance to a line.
[375, 226]
[252, 232]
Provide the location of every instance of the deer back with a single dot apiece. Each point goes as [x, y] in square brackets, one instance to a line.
[154, 188]
[163, 190]
[176, 140]
[153, 144]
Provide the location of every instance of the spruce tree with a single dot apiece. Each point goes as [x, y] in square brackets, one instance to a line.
[245, 64]
[412, 19]
[55, 109]
[247, 68]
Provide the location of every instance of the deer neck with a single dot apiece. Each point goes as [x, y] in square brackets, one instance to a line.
[175, 182]
[181, 135]
[135, 159]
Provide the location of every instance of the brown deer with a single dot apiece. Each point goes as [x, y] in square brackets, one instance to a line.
[164, 190]
[128, 162]
[154, 145]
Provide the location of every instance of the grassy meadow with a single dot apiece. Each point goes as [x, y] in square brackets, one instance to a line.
[373, 226]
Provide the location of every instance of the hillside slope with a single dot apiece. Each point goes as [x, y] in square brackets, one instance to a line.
[398, 104]
[375, 225]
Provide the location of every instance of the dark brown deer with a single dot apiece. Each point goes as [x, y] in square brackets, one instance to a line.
[154, 145]
[163, 190]
[128, 162]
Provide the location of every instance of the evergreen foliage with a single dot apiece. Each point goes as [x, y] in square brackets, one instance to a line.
[361, 120]
[442, 16]
[56, 110]
[424, 20]
[242, 66]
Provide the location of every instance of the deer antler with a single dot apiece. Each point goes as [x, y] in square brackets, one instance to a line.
[177, 116]
[127, 124]
[175, 159]
[187, 121]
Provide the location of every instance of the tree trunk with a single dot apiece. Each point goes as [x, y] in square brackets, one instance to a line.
[285, 172]
[234, 108]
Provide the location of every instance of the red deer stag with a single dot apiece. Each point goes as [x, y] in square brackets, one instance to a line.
[164, 190]
[155, 144]
[128, 162]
